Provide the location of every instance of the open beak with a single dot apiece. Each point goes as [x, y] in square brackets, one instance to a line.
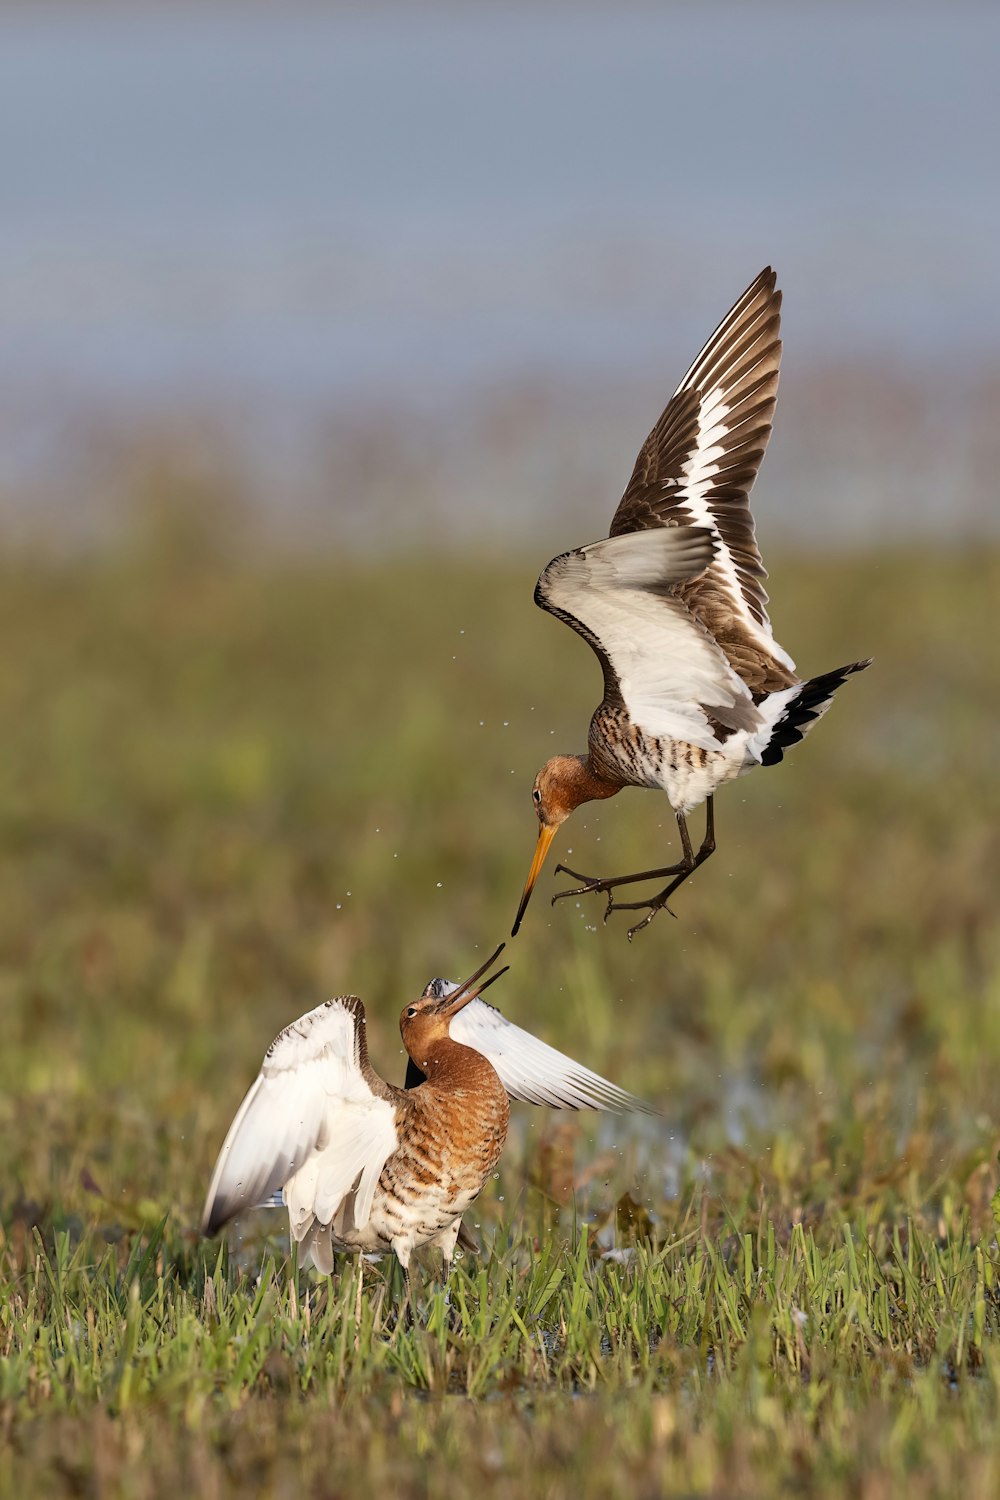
[545, 837]
[471, 989]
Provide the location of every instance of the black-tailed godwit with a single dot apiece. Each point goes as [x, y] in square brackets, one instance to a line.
[696, 689]
[364, 1166]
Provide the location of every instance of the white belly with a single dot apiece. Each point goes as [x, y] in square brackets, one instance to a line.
[689, 779]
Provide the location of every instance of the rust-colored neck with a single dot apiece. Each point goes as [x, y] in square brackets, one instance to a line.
[569, 780]
[448, 1064]
[597, 787]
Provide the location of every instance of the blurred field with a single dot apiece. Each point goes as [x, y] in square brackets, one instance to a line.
[231, 785]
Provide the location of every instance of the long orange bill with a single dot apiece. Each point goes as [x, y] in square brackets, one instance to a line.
[545, 837]
[470, 989]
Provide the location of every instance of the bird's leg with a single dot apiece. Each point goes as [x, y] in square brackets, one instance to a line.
[406, 1309]
[607, 886]
[446, 1285]
[446, 1242]
[357, 1303]
[659, 903]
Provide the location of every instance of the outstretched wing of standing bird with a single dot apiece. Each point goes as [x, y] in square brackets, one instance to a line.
[317, 1121]
[530, 1070]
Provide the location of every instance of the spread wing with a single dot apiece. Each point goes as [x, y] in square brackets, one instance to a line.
[622, 596]
[530, 1070]
[698, 466]
[318, 1123]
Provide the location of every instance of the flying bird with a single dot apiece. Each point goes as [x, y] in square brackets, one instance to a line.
[364, 1166]
[696, 689]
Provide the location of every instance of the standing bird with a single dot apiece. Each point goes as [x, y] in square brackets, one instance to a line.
[696, 689]
[365, 1166]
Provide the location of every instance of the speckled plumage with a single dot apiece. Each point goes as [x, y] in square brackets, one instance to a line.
[622, 752]
[451, 1131]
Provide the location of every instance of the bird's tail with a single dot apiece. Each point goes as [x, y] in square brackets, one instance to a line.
[793, 712]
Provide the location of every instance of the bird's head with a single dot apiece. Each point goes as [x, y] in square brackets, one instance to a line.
[425, 1021]
[560, 786]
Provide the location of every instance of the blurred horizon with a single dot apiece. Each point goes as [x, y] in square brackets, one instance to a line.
[395, 274]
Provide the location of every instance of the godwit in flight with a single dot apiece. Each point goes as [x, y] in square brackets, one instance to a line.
[368, 1167]
[696, 689]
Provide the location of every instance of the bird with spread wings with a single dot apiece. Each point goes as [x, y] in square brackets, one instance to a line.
[696, 689]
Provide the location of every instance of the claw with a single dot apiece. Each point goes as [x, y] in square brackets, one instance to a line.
[583, 890]
[644, 923]
[654, 907]
[590, 884]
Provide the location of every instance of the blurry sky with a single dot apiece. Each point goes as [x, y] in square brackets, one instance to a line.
[292, 212]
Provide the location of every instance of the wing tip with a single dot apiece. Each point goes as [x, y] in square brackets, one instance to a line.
[601, 1094]
[214, 1216]
[766, 280]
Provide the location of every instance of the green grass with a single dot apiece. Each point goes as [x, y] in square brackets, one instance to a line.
[202, 757]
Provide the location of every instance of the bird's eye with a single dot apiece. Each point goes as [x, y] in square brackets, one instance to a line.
[536, 795]
[412, 1010]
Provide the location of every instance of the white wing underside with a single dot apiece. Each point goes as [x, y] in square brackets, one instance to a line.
[669, 669]
[310, 1125]
[529, 1069]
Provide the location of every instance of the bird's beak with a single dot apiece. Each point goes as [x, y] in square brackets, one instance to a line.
[545, 836]
[471, 989]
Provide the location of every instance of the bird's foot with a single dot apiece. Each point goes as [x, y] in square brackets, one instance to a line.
[657, 904]
[590, 884]
[607, 885]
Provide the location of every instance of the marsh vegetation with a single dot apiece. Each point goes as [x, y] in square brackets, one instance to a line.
[233, 783]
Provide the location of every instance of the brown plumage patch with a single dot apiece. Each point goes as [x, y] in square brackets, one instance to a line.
[741, 360]
[750, 660]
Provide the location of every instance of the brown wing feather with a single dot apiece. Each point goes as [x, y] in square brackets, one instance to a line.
[742, 356]
[738, 369]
